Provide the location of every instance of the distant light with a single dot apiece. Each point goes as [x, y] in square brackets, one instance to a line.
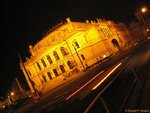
[12, 93]
[3, 106]
[104, 56]
[144, 9]
[147, 29]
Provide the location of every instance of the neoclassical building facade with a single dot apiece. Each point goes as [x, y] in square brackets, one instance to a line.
[71, 47]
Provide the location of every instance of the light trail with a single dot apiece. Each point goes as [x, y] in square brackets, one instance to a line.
[106, 76]
[83, 86]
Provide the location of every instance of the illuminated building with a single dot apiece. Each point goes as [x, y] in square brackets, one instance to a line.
[69, 48]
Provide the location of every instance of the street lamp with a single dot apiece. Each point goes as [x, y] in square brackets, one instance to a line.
[12, 97]
[140, 13]
[147, 30]
[79, 57]
[144, 9]
[12, 93]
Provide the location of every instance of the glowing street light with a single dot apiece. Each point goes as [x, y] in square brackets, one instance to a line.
[12, 93]
[147, 30]
[144, 9]
[139, 12]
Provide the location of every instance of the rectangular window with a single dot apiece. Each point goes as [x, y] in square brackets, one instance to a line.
[82, 56]
[29, 73]
[38, 65]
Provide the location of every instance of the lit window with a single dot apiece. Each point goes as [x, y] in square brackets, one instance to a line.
[38, 65]
[63, 51]
[82, 56]
[49, 75]
[56, 55]
[49, 59]
[62, 69]
[43, 62]
[76, 44]
[44, 78]
[55, 72]
[70, 64]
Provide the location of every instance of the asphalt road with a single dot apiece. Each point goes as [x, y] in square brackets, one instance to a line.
[118, 79]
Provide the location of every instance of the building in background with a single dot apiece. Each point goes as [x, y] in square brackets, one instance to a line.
[140, 28]
[71, 47]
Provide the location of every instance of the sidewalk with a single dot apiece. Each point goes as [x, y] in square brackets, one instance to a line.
[139, 99]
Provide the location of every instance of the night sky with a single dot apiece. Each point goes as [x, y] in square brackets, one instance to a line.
[25, 21]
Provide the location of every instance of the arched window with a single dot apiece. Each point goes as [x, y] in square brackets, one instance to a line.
[44, 78]
[62, 69]
[43, 62]
[49, 59]
[38, 65]
[76, 44]
[82, 56]
[70, 64]
[56, 55]
[63, 51]
[115, 42]
[49, 75]
[55, 72]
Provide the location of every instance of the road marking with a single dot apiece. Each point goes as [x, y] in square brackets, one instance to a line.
[83, 86]
[106, 76]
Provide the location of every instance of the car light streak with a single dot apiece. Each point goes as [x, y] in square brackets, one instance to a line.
[83, 86]
[106, 76]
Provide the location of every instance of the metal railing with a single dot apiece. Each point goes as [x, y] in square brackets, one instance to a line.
[100, 101]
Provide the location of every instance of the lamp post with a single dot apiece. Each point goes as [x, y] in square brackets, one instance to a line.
[79, 57]
[11, 97]
[140, 14]
[20, 88]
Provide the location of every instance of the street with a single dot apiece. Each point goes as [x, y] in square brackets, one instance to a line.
[118, 84]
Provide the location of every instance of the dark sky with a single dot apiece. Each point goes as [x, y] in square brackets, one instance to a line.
[25, 21]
